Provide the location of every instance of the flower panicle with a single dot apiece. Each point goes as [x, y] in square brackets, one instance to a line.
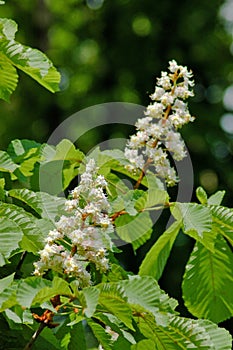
[157, 132]
[80, 237]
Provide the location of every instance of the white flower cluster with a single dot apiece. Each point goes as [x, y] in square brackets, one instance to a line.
[157, 133]
[81, 237]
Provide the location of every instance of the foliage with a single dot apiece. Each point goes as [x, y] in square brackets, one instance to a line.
[132, 308]
[31, 61]
[71, 284]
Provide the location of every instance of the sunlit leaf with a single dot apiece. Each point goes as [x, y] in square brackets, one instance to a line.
[33, 238]
[89, 298]
[156, 258]
[208, 282]
[6, 163]
[216, 198]
[223, 221]
[43, 203]
[197, 222]
[113, 299]
[145, 291]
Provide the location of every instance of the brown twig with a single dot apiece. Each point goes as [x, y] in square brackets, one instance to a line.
[34, 337]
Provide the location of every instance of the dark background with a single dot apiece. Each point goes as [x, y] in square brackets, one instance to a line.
[112, 51]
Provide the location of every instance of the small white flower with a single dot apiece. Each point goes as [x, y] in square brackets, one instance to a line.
[158, 129]
[80, 238]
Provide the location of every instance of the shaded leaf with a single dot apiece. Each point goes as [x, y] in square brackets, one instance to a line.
[131, 228]
[43, 203]
[33, 238]
[101, 335]
[10, 236]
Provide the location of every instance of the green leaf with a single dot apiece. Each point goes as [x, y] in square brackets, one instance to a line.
[2, 191]
[8, 78]
[208, 282]
[145, 292]
[223, 221]
[45, 205]
[197, 222]
[116, 273]
[181, 333]
[6, 163]
[145, 344]
[77, 338]
[220, 337]
[113, 299]
[33, 238]
[89, 298]
[216, 198]
[8, 296]
[8, 27]
[101, 335]
[131, 228]
[201, 195]
[29, 288]
[31, 61]
[10, 236]
[59, 286]
[6, 281]
[155, 260]
[19, 148]
[151, 198]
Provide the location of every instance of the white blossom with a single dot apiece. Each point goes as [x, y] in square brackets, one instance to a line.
[156, 134]
[80, 238]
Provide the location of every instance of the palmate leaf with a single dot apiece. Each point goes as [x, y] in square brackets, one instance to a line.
[36, 290]
[156, 258]
[101, 335]
[25, 153]
[8, 78]
[182, 333]
[145, 292]
[17, 149]
[196, 222]
[7, 292]
[113, 299]
[31, 61]
[89, 299]
[216, 198]
[10, 236]
[33, 236]
[59, 166]
[45, 205]
[134, 228]
[6, 163]
[223, 221]
[145, 344]
[208, 282]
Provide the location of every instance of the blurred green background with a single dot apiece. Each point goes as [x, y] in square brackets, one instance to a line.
[112, 50]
